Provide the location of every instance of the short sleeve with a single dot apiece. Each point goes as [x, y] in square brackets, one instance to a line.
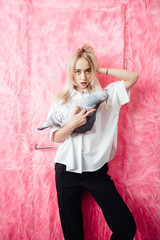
[121, 93]
[54, 128]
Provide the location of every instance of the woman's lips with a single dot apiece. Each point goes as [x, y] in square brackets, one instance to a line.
[83, 83]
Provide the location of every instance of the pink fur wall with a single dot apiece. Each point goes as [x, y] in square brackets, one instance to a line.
[37, 38]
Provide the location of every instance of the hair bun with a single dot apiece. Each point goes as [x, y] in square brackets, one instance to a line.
[86, 47]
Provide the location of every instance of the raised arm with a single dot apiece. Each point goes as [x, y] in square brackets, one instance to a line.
[129, 77]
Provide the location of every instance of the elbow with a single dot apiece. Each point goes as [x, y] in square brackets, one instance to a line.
[136, 76]
[54, 138]
[133, 79]
[57, 139]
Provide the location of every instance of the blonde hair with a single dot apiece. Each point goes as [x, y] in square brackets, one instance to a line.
[86, 52]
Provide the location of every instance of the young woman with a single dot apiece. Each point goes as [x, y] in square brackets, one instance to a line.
[82, 159]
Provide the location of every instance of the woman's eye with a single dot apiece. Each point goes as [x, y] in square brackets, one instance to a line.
[77, 71]
[88, 71]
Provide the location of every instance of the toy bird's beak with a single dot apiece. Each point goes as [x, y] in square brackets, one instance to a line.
[105, 95]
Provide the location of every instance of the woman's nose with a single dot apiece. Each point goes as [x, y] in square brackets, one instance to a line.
[83, 75]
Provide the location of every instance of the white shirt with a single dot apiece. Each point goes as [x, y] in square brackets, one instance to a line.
[89, 151]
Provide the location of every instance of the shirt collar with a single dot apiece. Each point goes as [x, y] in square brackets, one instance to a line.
[74, 91]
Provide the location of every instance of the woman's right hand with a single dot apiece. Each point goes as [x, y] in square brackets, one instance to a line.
[79, 119]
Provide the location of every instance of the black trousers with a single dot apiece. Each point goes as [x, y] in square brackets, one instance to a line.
[70, 187]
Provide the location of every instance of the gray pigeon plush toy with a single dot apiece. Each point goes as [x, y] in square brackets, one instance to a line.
[62, 115]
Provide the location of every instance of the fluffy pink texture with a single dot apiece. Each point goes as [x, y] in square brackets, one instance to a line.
[37, 38]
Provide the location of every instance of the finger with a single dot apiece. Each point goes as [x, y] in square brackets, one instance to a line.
[83, 111]
[75, 111]
[89, 112]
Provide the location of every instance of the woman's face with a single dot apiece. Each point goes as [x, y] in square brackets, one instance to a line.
[82, 74]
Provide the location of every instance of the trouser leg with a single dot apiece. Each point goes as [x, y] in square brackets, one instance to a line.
[69, 194]
[115, 211]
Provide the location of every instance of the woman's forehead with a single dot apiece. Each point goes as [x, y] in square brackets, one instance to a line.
[82, 63]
